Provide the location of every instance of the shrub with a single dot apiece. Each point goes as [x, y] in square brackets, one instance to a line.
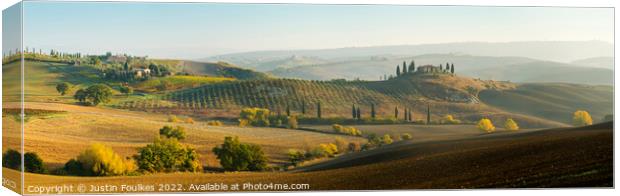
[100, 160]
[511, 125]
[373, 141]
[387, 139]
[167, 155]
[169, 132]
[486, 125]
[406, 136]
[292, 122]
[581, 118]
[98, 93]
[327, 150]
[448, 119]
[215, 123]
[12, 159]
[296, 156]
[126, 90]
[258, 117]
[236, 156]
[33, 163]
[346, 130]
[62, 88]
[173, 119]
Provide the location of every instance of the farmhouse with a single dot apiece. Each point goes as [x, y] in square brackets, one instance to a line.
[142, 72]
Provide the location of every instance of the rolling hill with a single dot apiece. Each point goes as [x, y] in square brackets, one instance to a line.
[600, 62]
[220, 69]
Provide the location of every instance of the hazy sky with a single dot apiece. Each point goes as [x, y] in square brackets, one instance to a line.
[201, 29]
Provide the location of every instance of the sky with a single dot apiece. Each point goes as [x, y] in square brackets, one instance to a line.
[198, 30]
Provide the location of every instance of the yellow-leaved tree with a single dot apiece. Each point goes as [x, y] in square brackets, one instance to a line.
[511, 125]
[100, 160]
[581, 118]
[486, 125]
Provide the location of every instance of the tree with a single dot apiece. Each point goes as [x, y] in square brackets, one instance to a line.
[80, 95]
[359, 113]
[318, 110]
[411, 67]
[258, 117]
[386, 139]
[452, 68]
[126, 90]
[404, 67]
[236, 156]
[511, 125]
[410, 116]
[303, 107]
[441, 67]
[372, 111]
[353, 111]
[288, 110]
[428, 114]
[167, 155]
[62, 88]
[126, 65]
[33, 163]
[486, 125]
[398, 70]
[582, 118]
[98, 93]
[396, 113]
[169, 132]
[292, 122]
[406, 136]
[100, 160]
[12, 159]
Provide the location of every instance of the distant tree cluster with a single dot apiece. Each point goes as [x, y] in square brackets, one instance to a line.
[411, 69]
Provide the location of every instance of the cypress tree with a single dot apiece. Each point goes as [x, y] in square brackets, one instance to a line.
[396, 112]
[353, 112]
[359, 113]
[406, 115]
[410, 116]
[303, 106]
[428, 114]
[288, 110]
[440, 67]
[452, 68]
[318, 110]
[404, 67]
[411, 67]
[397, 70]
[372, 111]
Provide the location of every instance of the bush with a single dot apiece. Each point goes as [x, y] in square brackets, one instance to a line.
[236, 156]
[243, 122]
[406, 136]
[448, 119]
[387, 139]
[346, 130]
[62, 88]
[258, 117]
[292, 122]
[169, 132]
[189, 120]
[12, 159]
[173, 119]
[582, 118]
[100, 160]
[486, 125]
[373, 141]
[215, 123]
[33, 163]
[354, 147]
[511, 125]
[296, 156]
[167, 155]
[327, 150]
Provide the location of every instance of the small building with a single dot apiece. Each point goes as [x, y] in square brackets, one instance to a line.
[142, 72]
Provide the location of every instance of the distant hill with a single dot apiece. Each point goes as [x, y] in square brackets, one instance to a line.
[561, 51]
[516, 69]
[600, 62]
[221, 69]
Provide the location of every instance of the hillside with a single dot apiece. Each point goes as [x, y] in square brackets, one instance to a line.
[220, 69]
[600, 62]
[443, 93]
[505, 68]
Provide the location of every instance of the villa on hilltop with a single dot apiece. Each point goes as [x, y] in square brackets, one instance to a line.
[424, 69]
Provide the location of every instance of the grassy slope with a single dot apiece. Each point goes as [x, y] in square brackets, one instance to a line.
[553, 101]
[178, 82]
[59, 138]
[220, 69]
[497, 160]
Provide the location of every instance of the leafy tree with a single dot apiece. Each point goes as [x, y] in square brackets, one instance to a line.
[98, 93]
[296, 156]
[12, 159]
[326, 150]
[167, 155]
[169, 132]
[62, 88]
[33, 163]
[236, 156]
[511, 125]
[486, 125]
[582, 118]
[100, 160]
[258, 117]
